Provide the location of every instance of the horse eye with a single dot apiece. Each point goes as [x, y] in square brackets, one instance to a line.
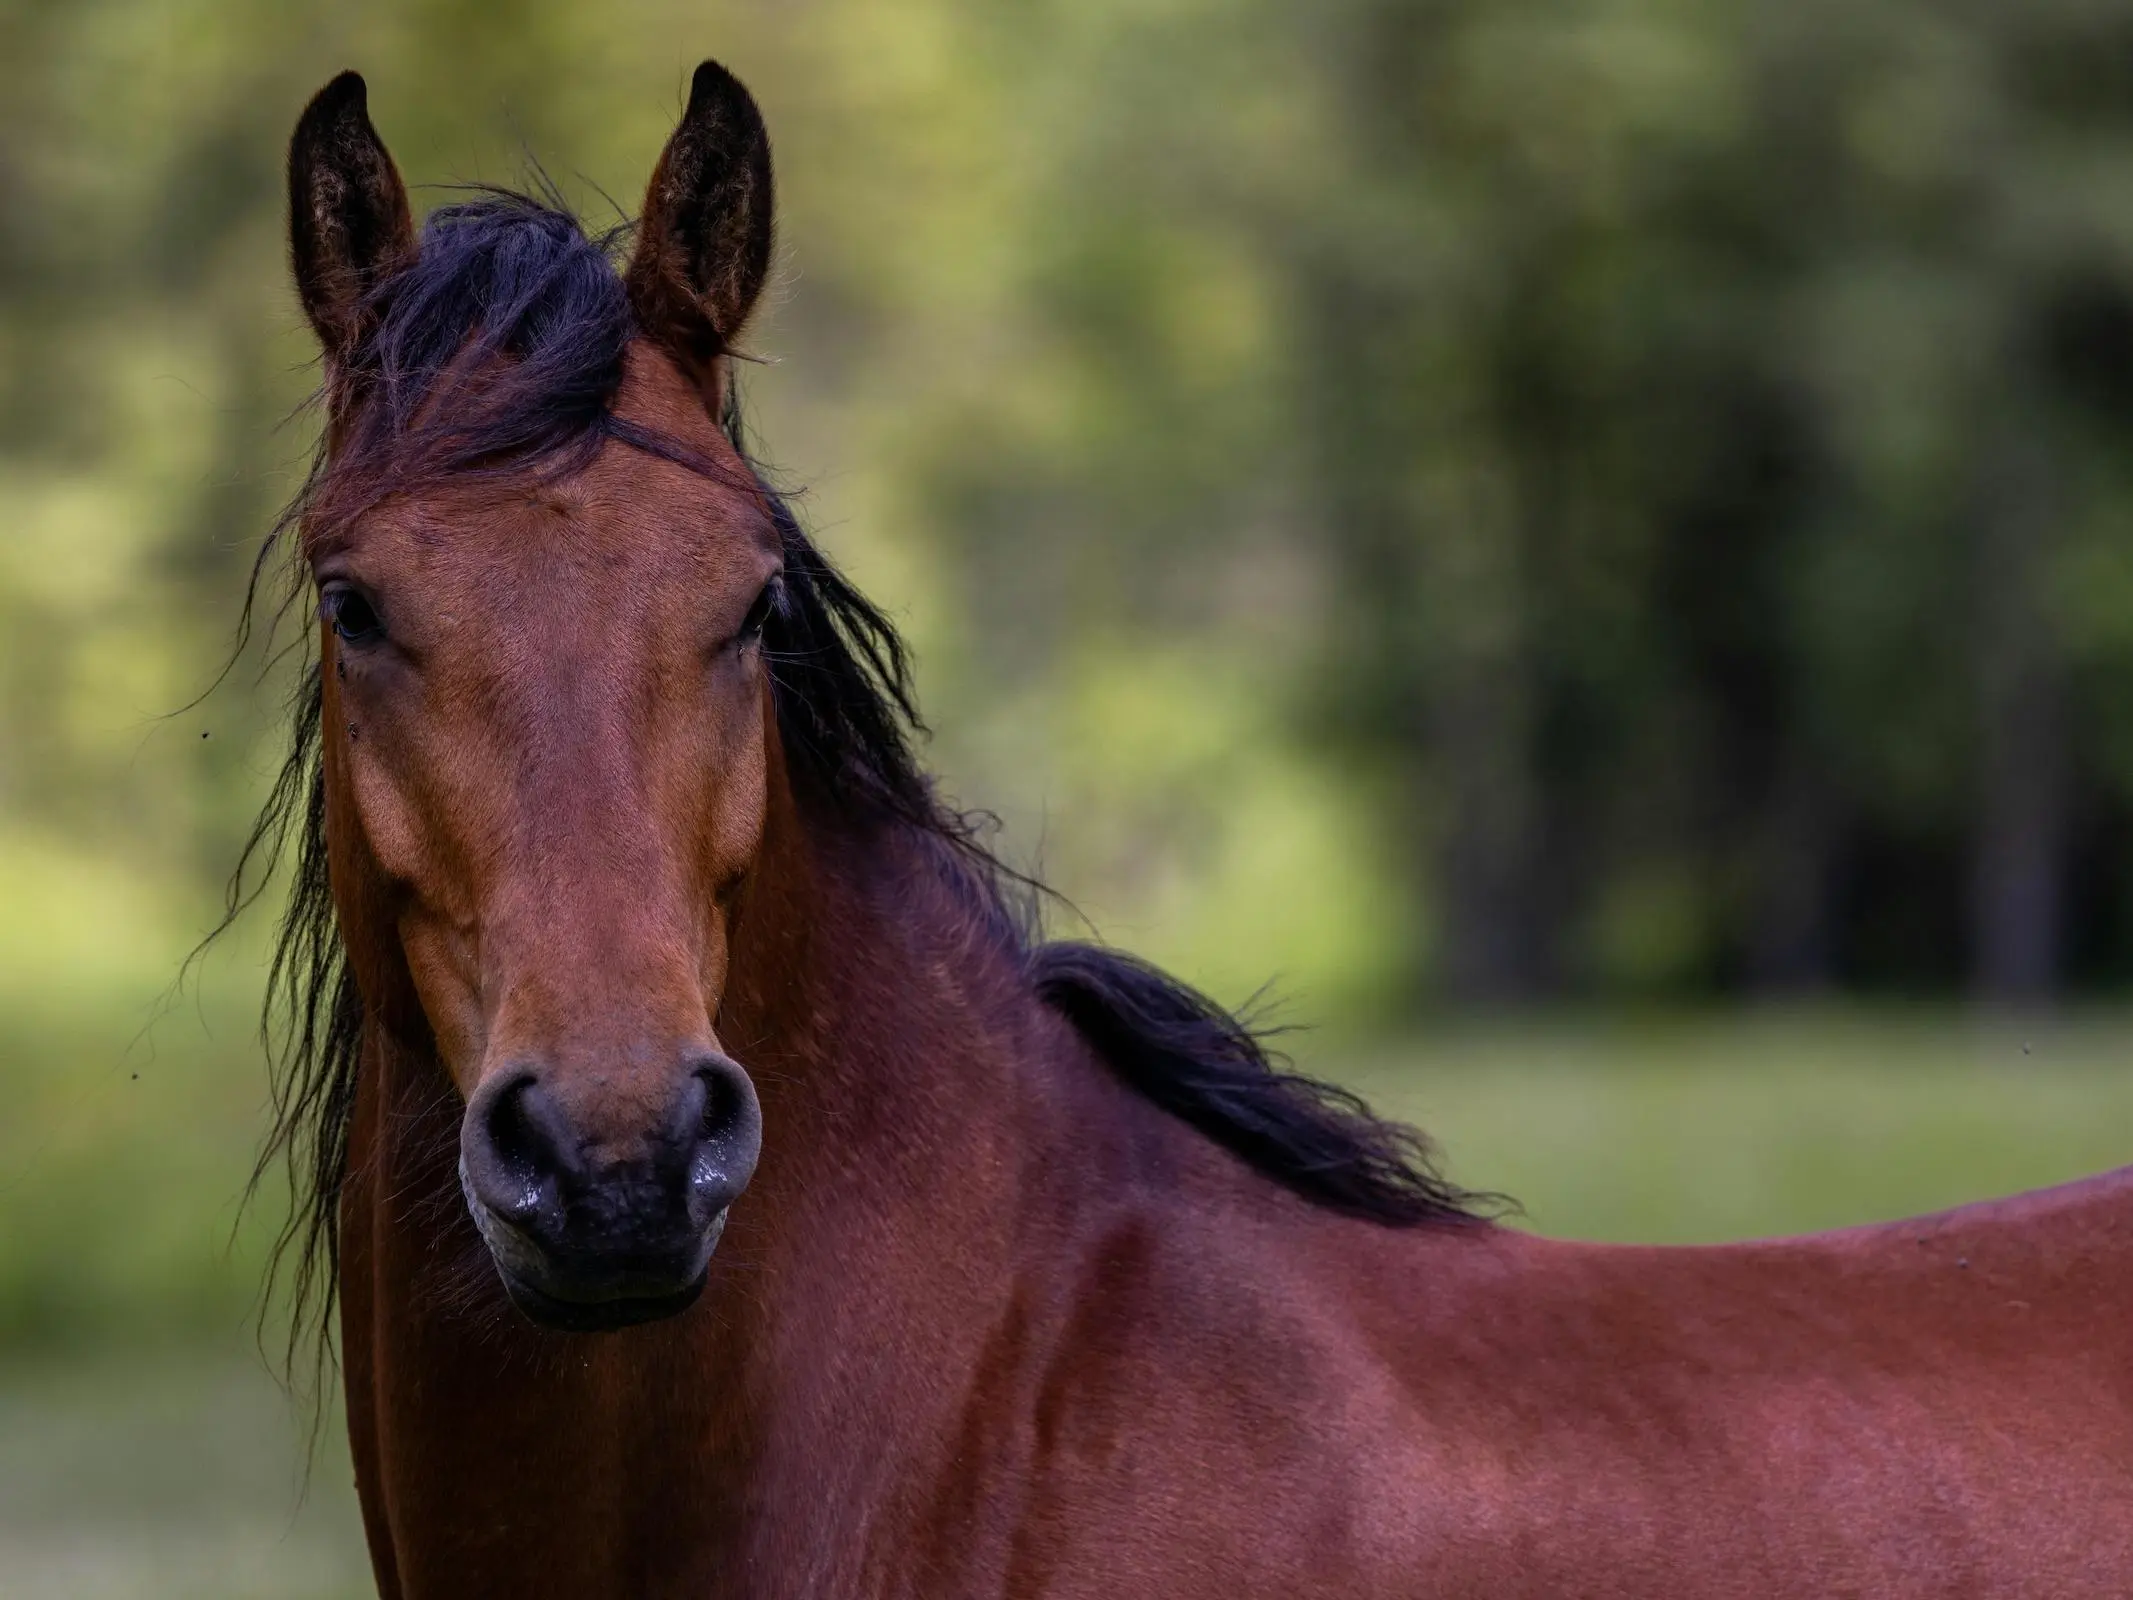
[767, 604]
[353, 617]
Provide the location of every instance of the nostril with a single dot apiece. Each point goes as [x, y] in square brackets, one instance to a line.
[722, 1106]
[522, 1155]
[728, 1134]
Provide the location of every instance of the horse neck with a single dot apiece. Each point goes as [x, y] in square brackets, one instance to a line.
[938, 1147]
[909, 1081]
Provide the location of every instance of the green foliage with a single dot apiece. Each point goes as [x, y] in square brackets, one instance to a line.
[1635, 491]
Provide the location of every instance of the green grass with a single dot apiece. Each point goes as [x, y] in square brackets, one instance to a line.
[123, 1156]
[161, 1476]
[145, 1452]
[1685, 1130]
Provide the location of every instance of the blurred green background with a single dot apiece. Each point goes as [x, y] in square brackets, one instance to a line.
[1587, 540]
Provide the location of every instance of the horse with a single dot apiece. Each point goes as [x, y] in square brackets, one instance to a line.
[725, 1190]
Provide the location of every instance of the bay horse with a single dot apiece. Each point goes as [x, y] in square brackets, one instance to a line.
[727, 1193]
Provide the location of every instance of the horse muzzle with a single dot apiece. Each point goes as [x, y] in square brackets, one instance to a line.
[584, 1239]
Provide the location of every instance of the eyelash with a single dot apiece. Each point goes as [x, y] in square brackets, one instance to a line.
[767, 604]
[351, 614]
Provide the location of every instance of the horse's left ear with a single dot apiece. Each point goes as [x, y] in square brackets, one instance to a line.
[703, 244]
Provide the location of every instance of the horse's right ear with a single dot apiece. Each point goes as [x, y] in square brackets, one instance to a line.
[349, 227]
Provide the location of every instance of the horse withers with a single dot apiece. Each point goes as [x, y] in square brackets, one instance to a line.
[727, 1194]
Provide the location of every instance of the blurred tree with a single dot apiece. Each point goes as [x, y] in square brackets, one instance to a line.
[1620, 496]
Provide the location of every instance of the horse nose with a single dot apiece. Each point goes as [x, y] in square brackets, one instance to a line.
[529, 1164]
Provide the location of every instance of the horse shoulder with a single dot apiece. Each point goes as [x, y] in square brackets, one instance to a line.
[1207, 1417]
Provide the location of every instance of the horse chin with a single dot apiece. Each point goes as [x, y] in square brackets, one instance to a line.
[597, 1316]
[593, 1295]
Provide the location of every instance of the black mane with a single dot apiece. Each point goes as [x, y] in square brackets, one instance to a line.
[507, 275]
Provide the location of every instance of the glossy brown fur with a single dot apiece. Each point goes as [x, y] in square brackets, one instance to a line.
[987, 1322]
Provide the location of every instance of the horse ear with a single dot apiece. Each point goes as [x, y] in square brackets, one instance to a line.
[349, 227]
[703, 244]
